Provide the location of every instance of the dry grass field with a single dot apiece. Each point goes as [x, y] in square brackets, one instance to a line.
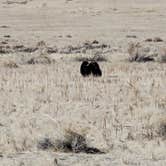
[44, 98]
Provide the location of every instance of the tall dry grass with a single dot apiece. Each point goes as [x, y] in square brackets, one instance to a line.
[115, 112]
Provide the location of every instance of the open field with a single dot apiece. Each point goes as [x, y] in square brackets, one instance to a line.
[43, 95]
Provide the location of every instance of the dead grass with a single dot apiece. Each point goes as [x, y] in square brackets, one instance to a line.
[114, 112]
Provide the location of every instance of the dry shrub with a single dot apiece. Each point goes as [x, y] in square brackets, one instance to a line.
[18, 47]
[51, 50]
[42, 59]
[149, 40]
[97, 57]
[139, 53]
[73, 142]
[22, 48]
[5, 49]
[21, 2]
[41, 47]
[44, 49]
[157, 39]
[46, 144]
[161, 127]
[7, 36]
[70, 49]
[4, 26]
[10, 64]
[84, 47]
[158, 126]
[81, 59]
[88, 45]
[131, 36]
[162, 55]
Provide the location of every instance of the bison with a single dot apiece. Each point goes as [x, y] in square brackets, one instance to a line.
[85, 69]
[95, 69]
[90, 68]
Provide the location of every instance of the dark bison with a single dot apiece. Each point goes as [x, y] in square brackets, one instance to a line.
[90, 68]
[85, 69]
[95, 69]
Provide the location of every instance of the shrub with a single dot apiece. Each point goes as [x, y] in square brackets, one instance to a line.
[73, 142]
[138, 53]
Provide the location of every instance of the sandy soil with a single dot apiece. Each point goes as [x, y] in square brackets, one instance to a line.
[123, 113]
